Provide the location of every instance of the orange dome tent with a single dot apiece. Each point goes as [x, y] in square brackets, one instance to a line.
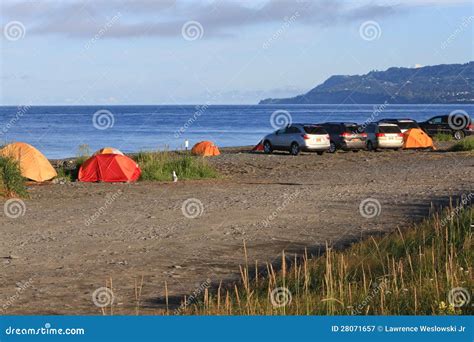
[416, 138]
[33, 164]
[108, 150]
[205, 148]
[109, 168]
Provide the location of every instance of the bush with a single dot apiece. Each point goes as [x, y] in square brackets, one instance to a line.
[159, 166]
[443, 137]
[11, 181]
[464, 145]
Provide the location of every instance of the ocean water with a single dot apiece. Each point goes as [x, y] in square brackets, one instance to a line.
[58, 131]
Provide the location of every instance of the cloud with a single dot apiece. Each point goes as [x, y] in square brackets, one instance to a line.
[165, 17]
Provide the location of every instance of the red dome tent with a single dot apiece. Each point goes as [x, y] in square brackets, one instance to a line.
[258, 147]
[109, 168]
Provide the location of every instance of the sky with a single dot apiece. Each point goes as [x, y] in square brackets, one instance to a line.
[113, 52]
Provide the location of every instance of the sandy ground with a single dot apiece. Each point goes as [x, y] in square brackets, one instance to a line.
[74, 237]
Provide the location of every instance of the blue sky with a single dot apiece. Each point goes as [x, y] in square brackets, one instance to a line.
[233, 52]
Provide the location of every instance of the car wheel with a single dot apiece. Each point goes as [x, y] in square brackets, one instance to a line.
[320, 153]
[294, 149]
[395, 149]
[355, 151]
[332, 147]
[458, 135]
[267, 147]
[370, 146]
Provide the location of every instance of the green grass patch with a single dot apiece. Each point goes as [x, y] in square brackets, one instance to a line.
[70, 171]
[11, 181]
[67, 174]
[466, 144]
[407, 272]
[159, 166]
[443, 137]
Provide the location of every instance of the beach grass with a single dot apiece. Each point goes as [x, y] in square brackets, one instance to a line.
[159, 166]
[443, 137]
[11, 181]
[83, 153]
[65, 174]
[407, 272]
[467, 144]
[70, 172]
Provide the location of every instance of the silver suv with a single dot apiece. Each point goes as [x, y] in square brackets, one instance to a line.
[297, 137]
[383, 135]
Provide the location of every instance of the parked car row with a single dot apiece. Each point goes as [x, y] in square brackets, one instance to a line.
[350, 136]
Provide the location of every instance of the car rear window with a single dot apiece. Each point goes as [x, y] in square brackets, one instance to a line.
[353, 129]
[407, 125]
[389, 129]
[314, 130]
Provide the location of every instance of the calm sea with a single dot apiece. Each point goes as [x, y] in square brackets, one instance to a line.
[58, 131]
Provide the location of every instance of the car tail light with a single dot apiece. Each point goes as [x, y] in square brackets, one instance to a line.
[470, 127]
[363, 134]
[305, 136]
[400, 135]
[379, 135]
[345, 135]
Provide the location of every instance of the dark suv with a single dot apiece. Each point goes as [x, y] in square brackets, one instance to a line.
[347, 136]
[458, 125]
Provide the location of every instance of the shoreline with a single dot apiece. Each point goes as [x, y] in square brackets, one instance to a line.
[227, 150]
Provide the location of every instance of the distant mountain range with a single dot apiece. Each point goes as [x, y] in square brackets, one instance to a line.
[445, 83]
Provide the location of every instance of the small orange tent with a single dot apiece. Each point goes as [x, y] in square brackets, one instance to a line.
[108, 150]
[205, 148]
[416, 138]
[33, 164]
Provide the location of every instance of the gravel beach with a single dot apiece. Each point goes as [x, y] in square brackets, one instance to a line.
[74, 237]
